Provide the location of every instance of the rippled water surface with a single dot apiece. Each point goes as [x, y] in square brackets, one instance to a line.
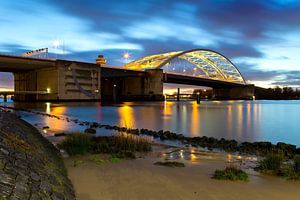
[241, 120]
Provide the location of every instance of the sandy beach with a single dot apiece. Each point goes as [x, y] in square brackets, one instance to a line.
[140, 179]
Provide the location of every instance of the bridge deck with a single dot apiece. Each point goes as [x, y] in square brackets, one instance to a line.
[17, 63]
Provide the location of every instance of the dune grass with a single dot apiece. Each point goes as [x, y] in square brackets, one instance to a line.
[119, 145]
[276, 165]
[231, 173]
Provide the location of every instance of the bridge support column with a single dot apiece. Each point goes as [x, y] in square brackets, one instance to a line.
[245, 92]
[153, 84]
[5, 98]
[178, 94]
[198, 98]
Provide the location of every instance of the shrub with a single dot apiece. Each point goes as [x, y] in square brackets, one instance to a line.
[288, 172]
[271, 163]
[297, 163]
[76, 143]
[170, 164]
[123, 145]
[230, 173]
[128, 142]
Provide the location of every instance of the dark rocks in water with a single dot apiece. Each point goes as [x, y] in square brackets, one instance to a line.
[123, 129]
[59, 134]
[94, 125]
[90, 130]
[45, 127]
[133, 131]
[170, 164]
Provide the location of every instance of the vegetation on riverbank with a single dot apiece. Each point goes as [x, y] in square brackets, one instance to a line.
[278, 166]
[231, 173]
[120, 145]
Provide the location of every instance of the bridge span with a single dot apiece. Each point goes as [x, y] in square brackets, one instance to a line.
[141, 79]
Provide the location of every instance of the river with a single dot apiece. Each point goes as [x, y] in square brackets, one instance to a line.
[259, 120]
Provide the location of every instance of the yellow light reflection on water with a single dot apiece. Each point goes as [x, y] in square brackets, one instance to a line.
[126, 114]
[240, 121]
[168, 108]
[195, 120]
[229, 120]
[54, 123]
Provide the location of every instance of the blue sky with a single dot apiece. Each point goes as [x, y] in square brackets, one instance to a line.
[261, 37]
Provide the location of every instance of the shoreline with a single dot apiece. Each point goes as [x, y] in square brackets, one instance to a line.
[141, 179]
[258, 148]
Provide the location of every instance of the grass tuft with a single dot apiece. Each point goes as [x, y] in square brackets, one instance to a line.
[271, 163]
[274, 165]
[122, 145]
[76, 143]
[231, 173]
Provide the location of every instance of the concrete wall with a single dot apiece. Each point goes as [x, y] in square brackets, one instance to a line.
[154, 83]
[135, 88]
[47, 80]
[60, 82]
[88, 77]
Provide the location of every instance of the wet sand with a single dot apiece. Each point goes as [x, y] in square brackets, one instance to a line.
[140, 179]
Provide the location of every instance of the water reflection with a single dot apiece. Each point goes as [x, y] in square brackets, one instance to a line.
[126, 116]
[53, 123]
[241, 120]
[195, 120]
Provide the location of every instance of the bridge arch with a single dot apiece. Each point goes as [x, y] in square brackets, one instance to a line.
[207, 63]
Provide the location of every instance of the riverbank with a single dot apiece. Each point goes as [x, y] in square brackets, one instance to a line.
[30, 166]
[141, 179]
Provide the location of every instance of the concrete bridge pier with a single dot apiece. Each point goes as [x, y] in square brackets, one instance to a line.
[5, 98]
[146, 86]
[245, 92]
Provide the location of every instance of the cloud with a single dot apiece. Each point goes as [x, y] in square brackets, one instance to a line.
[263, 34]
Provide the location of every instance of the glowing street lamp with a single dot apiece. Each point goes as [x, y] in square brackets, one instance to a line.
[56, 44]
[126, 56]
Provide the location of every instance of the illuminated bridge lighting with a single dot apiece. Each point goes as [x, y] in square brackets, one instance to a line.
[211, 65]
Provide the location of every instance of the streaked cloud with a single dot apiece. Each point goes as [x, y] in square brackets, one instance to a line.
[260, 37]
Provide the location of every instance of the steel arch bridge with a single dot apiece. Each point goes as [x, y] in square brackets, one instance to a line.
[202, 63]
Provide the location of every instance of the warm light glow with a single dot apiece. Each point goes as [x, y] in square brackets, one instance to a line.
[48, 90]
[212, 64]
[126, 56]
[126, 114]
[48, 106]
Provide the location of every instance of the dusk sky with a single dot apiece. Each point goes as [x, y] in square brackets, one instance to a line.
[261, 37]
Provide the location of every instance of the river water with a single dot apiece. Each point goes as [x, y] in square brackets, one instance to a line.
[272, 121]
